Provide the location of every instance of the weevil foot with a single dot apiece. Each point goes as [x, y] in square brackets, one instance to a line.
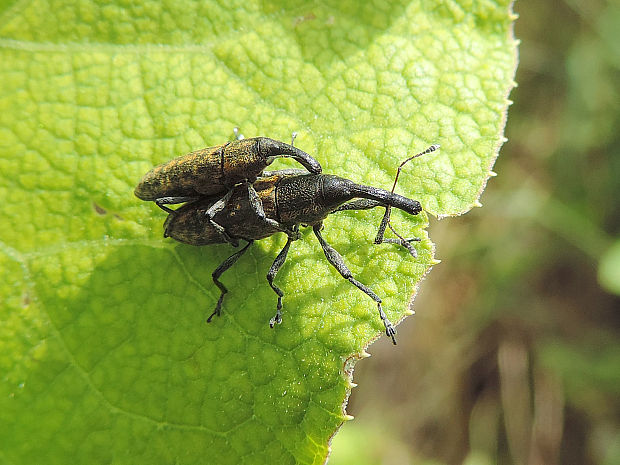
[410, 248]
[293, 234]
[390, 331]
[218, 308]
[406, 243]
[212, 315]
[276, 320]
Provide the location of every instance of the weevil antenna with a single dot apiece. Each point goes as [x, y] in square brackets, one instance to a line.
[385, 221]
[432, 148]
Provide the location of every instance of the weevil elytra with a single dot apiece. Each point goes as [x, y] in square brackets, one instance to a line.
[213, 171]
[293, 198]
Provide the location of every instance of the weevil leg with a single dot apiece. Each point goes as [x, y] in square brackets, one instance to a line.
[359, 204]
[337, 262]
[160, 202]
[214, 210]
[273, 271]
[366, 204]
[284, 172]
[230, 261]
[404, 242]
[257, 205]
[384, 222]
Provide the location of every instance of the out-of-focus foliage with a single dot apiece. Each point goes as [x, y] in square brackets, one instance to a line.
[514, 356]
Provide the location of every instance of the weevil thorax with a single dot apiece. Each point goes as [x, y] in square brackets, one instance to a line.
[243, 159]
[310, 198]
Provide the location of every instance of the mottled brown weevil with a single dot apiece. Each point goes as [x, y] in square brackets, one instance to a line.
[214, 171]
[292, 198]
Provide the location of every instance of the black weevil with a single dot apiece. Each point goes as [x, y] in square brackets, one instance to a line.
[292, 198]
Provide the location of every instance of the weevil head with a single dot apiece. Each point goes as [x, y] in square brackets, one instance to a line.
[270, 149]
[336, 190]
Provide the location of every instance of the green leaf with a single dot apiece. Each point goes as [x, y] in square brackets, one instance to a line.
[104, 353]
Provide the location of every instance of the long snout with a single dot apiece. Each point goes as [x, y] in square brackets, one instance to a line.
[405, 204]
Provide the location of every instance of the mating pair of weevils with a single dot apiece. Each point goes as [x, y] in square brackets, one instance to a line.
[228, 196]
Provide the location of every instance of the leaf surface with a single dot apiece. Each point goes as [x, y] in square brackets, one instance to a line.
[104, 353]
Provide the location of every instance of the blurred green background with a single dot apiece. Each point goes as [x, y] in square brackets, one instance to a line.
[514, 355]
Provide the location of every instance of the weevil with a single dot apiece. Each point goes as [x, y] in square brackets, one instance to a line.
[214, 171]
[293, 198]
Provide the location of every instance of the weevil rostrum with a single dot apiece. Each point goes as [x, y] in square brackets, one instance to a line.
[291, 198]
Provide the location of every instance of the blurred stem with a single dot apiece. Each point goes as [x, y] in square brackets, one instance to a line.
[548, 421]
[513, 366]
